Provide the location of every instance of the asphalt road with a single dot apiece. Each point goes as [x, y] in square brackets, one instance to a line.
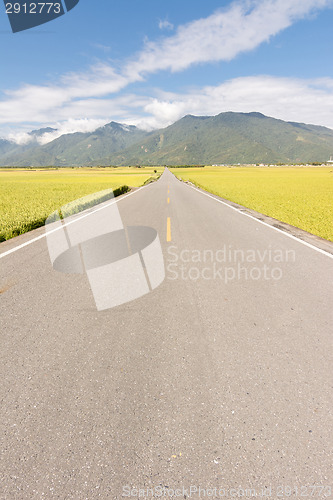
[221, 377]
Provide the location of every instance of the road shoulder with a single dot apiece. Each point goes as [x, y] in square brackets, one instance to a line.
[309, 238]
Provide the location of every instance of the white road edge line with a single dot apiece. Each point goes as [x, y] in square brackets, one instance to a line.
[264, 223]
[115, 200]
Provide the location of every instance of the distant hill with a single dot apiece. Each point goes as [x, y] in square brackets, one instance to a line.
[78, 148]
[6, 147]
[42, 131]
[225, 138]
[231, 138]
[12, 150]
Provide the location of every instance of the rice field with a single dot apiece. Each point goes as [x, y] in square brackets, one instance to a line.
[300, 196]
[29, 196]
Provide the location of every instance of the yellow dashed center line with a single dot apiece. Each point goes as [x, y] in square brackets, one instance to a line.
[168, 200]
[168, 229]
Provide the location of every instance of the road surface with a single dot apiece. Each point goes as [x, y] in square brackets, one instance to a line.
[219, 379]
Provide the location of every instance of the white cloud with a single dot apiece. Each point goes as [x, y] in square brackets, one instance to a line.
[46, 102]
[243, 26]
[21, 138]
[103, 48]
[290, 99]
[223, 35]
[309, 101]
[165, 25]
[70, 127]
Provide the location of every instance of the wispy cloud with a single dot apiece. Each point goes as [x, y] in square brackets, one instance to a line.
[22, 138]
[165, 25]
[103, 48]
[222, 36]
[309, 101]
[40, 101]
[71, 126]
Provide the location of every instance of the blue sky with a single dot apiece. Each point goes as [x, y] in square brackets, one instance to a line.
[149, 63]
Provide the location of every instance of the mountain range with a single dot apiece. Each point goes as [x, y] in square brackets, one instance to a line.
[227, 138]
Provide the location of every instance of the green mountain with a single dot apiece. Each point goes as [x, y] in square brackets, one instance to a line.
[42, 131]
[12, 149]
[6, 147]
[78, 148]
[222, 139]
[230, 138]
